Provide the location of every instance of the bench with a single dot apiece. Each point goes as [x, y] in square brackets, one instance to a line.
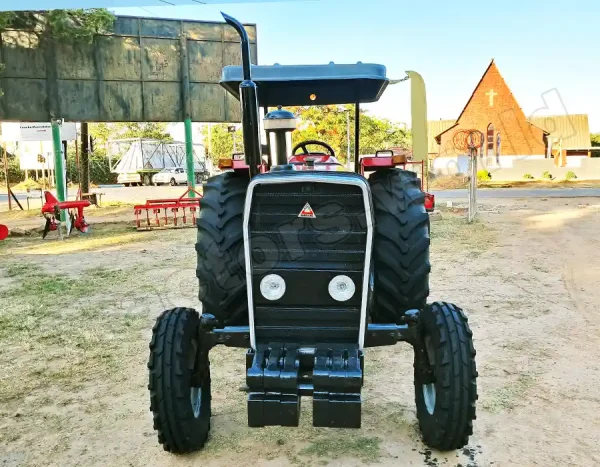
[94, 198]
[35, 193]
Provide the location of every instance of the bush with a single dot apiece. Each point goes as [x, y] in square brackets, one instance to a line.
[528, 177]
[570, 175]
[547, 175]
[15, 174]
[27, 185]
[483, 175]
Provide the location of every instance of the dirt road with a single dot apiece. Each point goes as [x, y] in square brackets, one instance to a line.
[73, 350]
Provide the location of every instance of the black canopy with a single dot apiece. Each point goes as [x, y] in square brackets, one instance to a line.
[296, 84]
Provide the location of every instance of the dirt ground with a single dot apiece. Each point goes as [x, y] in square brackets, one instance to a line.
[75, 321]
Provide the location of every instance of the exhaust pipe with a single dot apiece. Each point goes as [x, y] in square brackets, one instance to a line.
[249, 102]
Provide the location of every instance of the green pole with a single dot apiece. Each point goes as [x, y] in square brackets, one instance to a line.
[59, 168]
[189, 155]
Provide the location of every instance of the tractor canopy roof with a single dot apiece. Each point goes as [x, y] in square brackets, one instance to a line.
[311, 84]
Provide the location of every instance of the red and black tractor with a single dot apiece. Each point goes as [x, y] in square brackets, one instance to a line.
[306, 266]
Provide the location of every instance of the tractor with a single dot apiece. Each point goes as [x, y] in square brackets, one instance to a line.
[306, 265]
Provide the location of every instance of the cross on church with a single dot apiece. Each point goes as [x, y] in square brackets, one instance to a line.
[491, 93]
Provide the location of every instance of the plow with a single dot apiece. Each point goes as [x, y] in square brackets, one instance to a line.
[167, 213]
[51, 210]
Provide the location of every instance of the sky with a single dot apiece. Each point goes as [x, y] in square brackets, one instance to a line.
[547, 50]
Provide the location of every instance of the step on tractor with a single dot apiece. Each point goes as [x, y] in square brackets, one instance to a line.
[306, 265]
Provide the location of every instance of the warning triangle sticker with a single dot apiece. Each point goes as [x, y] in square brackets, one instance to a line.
[307, 211]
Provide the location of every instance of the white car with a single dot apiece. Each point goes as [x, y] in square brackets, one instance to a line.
[174, 176]
[129, 179]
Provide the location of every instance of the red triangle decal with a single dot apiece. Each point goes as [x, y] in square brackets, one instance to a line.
[307, 211]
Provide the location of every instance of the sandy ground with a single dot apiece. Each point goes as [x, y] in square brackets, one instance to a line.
[74, 345]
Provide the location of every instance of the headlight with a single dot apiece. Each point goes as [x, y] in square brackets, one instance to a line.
[341, 288]
[272, 287]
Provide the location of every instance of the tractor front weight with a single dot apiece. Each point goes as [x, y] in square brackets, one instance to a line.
[278, 374]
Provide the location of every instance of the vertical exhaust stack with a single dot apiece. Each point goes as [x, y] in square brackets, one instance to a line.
[249, 102]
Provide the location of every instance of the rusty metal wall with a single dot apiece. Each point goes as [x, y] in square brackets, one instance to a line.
[149, 69]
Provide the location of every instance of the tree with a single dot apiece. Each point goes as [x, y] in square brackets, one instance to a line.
[595, 139]
[69, 25]
[62, 25]
[221, 141]
[327, 123]
[101, 133]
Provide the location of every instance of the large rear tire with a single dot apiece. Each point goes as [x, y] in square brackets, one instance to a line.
[446, 385]
[400, 245]
[221, 269]
[179, 383]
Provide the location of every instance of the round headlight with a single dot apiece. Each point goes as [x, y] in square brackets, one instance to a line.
[272, 287]
[341, 288]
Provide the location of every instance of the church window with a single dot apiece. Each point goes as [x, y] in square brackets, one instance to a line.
[490, 139]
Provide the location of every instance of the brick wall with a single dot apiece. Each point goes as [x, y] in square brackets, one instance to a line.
[492, 102]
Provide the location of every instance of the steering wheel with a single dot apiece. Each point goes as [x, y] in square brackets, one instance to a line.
[302, 145]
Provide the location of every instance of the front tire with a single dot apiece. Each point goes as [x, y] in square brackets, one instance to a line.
[173, 182]
[179, 385]
[400, 245]
[221, 269]
[445, 384]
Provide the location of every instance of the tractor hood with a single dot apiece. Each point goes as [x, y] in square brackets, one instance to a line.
[311, 84]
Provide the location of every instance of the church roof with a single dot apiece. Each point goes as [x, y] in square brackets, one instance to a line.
[434, 128]
[573, 129]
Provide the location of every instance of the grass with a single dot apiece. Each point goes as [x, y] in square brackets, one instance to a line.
[453, 182]
[508, 396]
[364, 448]
[60, 334]
[457, 234]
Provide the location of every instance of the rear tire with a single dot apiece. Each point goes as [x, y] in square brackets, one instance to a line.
[173, 182]
[400, 245]
[179, 382]
[146, 180]
[446, 398]
[221, 269]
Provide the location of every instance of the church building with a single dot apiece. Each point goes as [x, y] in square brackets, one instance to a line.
[493, 110]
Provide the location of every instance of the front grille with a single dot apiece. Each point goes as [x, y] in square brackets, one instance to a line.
[307, 253]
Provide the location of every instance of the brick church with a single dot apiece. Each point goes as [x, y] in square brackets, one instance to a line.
[493, 110]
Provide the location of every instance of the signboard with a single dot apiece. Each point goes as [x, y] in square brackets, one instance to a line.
[30, 131]
[43, 131]
[148, 70]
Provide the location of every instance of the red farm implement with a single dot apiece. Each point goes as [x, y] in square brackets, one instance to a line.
[168, 213]
[51, 210]
[387, 159]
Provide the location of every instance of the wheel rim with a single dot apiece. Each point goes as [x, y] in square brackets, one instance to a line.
[429, 397]
[429, 391]
[195, 393]
[196, 400]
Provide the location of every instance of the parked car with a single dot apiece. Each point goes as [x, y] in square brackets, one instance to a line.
[174, 176]
[130, 179]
